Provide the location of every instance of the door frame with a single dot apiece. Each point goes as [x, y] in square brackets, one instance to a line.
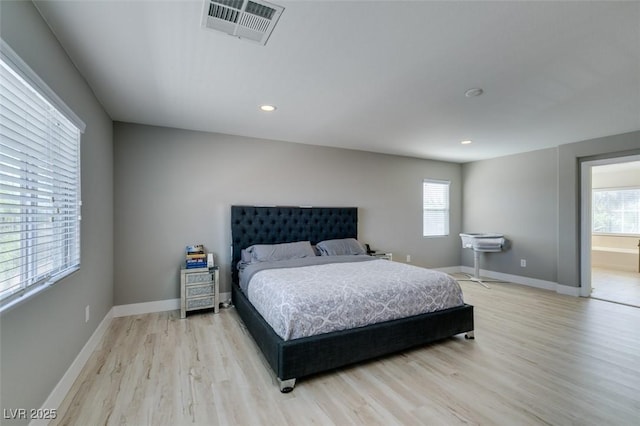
[585, 216]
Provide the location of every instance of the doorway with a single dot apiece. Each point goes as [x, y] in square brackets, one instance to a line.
[610, 231]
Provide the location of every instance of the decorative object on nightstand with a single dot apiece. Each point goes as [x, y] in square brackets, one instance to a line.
[195, 257]
[199, 289]
[383, 255]
[378, 254]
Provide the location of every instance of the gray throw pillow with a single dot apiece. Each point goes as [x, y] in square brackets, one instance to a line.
[284, 251]
[341, 247]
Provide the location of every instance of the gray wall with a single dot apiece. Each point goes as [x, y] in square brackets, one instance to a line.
[517, 196]
[534, 198]
[175, 187]
[40, 338]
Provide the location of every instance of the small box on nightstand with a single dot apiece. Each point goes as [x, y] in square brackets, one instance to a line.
[381, 255]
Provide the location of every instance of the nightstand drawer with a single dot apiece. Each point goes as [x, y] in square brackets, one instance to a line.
[199, 278]
[201, 303]
[199, 290]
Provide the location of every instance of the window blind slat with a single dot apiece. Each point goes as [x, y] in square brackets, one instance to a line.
[18, 147]
[23, 100]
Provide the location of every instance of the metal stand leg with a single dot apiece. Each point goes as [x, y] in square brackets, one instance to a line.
[476, 269]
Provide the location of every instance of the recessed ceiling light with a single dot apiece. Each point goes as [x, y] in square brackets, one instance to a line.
[467, 142]
[267, 108]
[476, 91]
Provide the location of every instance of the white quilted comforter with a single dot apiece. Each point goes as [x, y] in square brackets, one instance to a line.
[310, 300]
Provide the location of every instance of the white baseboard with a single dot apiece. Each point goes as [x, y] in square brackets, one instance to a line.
[55, 398]
[156, 306]
[449, 269]
[531, 282]
[225, 297]
[146, 307]
[568, 290]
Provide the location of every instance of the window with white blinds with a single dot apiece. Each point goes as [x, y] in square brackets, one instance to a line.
[616, 211]
[435, 202]
[39, 185]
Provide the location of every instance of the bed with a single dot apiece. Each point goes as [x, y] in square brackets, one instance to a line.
[292, 357]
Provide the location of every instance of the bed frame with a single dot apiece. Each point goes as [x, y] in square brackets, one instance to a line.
[291, 359]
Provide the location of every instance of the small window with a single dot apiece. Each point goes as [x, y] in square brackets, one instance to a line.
[39, 184]
[616, 211]
[435, 201]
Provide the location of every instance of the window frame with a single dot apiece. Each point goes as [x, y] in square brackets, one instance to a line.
[446, 210]
[58, 114]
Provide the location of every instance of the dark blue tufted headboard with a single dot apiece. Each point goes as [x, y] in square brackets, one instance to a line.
[273, 225]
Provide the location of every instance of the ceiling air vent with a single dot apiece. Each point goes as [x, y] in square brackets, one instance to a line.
[249, 19]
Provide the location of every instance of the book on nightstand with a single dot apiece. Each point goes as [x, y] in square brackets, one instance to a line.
[195, 256]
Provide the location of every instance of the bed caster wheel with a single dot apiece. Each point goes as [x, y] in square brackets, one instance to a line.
[286, 386]
[469, 335]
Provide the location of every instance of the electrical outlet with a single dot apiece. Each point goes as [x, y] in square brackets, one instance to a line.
[408, 258]
[87, 313]
[523, 263]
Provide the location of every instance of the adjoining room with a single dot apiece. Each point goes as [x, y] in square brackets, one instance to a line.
[615, 243]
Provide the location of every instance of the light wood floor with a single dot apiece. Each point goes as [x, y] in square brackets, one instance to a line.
[616, 286]
[538, 358]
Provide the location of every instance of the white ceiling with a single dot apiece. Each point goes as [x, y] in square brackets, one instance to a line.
[378, 76]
